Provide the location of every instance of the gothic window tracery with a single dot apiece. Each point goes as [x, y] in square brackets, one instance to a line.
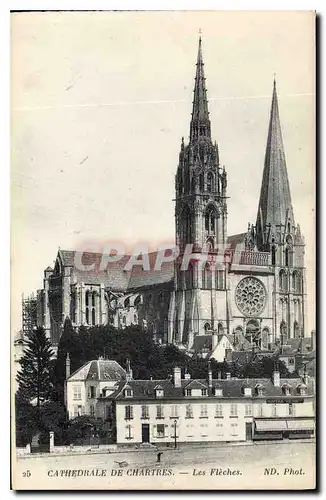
[210, 182]
[210, 216]
[187, 223]
[201, 182]
[273, 252]
[87, 306]
[207, 277]
[296, 281]
[289, 256]
[250, 296]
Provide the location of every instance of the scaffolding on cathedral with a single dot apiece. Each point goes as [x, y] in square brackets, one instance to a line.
[29, 314]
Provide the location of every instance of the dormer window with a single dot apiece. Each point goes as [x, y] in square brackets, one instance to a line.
[188, 392]
[259, 390]
[218, 391]
[247, 391]
[204, 392]
[159, 392]
[302, 389]
[286, 390]
[128, 392]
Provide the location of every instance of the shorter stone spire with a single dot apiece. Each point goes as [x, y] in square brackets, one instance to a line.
[275, 205]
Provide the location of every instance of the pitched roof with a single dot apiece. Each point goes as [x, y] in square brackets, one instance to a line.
[234, 239]
[275, 198]
[100, 370]
[196, 384]
[303, 345]
[232, 388]
[203, 342]
[114, 274]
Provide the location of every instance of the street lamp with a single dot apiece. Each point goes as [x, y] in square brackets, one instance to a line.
[175, 434]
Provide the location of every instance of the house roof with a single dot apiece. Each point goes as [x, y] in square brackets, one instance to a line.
[232, 388]
[203, 342]
[299, 345]
[99, 370]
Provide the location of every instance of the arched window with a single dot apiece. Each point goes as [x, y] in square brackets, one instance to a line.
[93, 311]
[201, 182]
[207, 277]
[187, 225]
[210, 245]
[289, 256]
[273, 252]
[137, 300]
[219, 279]
[207, 327]
[87, 307]
[289, 227]
[296, 330]
[283, 281]
[210, 182]
[252, 330]
[210, 216]
[283, 332]
[296, 282]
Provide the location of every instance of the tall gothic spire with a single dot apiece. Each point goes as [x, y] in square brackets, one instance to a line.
[275, 206]
[200, 125]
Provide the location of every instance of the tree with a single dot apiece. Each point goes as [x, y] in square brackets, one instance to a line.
[35, 376]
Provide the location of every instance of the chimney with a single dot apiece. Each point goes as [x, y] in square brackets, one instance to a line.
[187, 376]
[177, 376]
[276, 377]
[214, 340]
[210, 376]
[228, 375]
[67, 365]
[313, 340]
[128, 371]
[305, 375]
[219, 375]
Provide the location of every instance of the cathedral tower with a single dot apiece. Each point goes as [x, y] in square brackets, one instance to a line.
[277, 233]
[201, 223]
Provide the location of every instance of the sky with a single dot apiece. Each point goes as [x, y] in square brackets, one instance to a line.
[100, 101]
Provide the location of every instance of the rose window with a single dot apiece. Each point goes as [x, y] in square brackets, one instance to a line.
[250, 296]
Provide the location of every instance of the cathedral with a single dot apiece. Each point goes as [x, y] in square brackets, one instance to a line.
[250, 287]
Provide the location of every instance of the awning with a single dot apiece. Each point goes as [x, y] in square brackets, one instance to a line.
[270, 425]
[300, 425]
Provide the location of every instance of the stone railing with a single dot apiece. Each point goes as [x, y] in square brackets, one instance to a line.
[248, 258]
